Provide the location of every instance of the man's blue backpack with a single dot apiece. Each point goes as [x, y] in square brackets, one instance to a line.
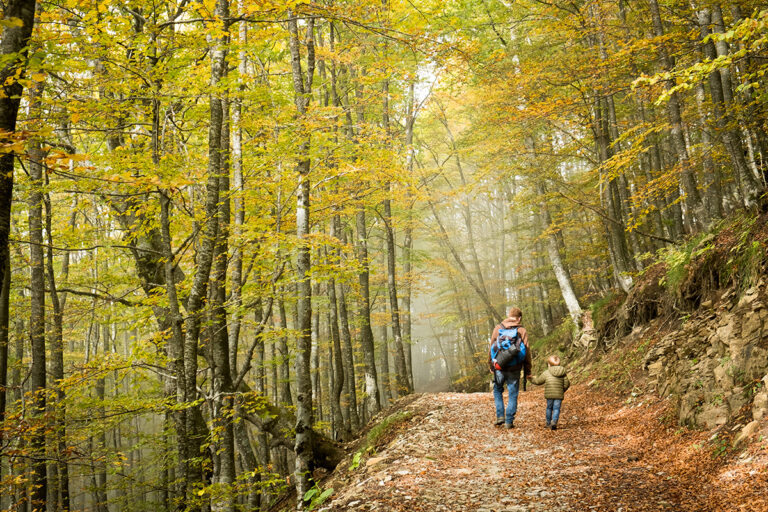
[508, 350]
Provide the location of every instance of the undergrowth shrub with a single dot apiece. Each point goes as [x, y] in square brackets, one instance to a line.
[556, 342]
[733, 253]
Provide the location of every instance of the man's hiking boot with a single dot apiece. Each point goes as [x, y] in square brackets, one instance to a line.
[499, 421]
[553, 426]
[509, 425]
[547, 425]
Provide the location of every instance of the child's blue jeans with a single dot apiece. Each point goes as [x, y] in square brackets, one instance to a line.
[553, 410]
[513, 385]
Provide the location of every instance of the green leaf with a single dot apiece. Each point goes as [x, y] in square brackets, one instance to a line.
[11, 22]
[310, 493]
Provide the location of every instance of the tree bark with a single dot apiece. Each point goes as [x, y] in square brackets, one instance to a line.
[222, 403]
[372, 399]
[410, 120]
[238, 205]
[621, 260]
[193, 471]
[5, 300]
[37, 311]
[382, 368]
[338, 361]
[14, 44]
[402, 381]
[302, 88]
[350, 387]
[285, 397]
[561, 271]
[57, 365]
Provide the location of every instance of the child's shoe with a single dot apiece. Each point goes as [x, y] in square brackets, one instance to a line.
[553, 426]
[509, 425]
[499, 421]
[547, 425]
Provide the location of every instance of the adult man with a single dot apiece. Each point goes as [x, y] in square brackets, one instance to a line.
[511, 331]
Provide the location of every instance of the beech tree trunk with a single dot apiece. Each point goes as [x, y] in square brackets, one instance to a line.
[37, 309]
[410, 119]
[14, 44]
[402, 382]
[372, 400]
[222, 403]
[61, 490]
[561, 271]
[302, 87]
[193, 471]
[350, 385]
[5, 290]
[388, 393]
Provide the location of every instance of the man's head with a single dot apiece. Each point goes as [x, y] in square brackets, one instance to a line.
[516, 314]
[553, 360]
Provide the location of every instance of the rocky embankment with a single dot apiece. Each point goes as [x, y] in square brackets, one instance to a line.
[715, 365]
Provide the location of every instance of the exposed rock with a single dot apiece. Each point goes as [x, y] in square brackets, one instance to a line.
[760, 402]
[746, 432]
[374, 460]
[712, 416]
[708, 361]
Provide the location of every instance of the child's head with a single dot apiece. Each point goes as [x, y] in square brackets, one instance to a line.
[516, 313]
[554, 360]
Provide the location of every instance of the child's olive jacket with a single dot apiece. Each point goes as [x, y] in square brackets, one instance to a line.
[555, 382]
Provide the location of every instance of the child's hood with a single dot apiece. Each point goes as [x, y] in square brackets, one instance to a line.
[557, 371]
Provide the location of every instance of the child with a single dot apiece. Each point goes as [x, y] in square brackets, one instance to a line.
[555, 384]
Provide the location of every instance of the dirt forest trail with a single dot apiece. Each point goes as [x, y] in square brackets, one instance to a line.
[606, 455]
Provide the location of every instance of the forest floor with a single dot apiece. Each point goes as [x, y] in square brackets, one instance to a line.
[609, 453]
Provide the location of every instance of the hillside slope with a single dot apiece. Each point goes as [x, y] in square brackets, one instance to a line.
[445, 454]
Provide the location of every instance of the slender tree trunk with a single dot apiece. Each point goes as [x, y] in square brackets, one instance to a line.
[302, 88]
[37, 312]
[338, 360]
[14, 44]
[621, 261]
[193, 471]
[57, 365]
[348, 353]
[402, 382]
[222, 404]
[469, 225]
[408, 238]
[256, 493]
[285, 396]
[561, 271]
[465, 330]
[4, 343]
[385, 375]
[102, 503]
[314, 367]
[493, 315]
[372, 396]
[238, 206]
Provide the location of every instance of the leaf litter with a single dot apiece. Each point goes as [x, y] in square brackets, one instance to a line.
[605, 456]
